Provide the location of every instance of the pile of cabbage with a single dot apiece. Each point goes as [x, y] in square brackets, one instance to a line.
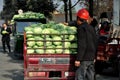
[51, 38]
[29, 15]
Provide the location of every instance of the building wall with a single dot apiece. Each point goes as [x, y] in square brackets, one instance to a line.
[61, 17]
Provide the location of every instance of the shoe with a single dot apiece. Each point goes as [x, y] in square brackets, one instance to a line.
[9, 51]
[4, 51]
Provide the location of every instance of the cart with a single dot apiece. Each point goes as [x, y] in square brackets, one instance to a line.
[107, 55]
[48, 66]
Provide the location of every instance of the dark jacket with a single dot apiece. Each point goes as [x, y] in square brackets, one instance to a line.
[6, 36]
[87, 42]
[72, 23]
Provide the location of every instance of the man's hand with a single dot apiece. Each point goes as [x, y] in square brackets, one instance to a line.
[65, 23]
[94, 60]
[77, 63]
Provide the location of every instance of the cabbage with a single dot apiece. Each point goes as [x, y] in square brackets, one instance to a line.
[46, 31]
[30, 51]
[4, 32]
[39, 43]
[62, 25]
[41, 47]
[37, 30]
[73, 45]
[72, 30]
[53, 31]
[50, 51]
[28, 47]
[31, 39]
[57, 40]
[65, 36]
[64, 31]
[31, 43]
[35, 46]
[48, 42]
[29, 15]
[15, 16]
[59, 50]
[59, 46]
[39, 51]
[49, 39]
[67, 51]
[67, 44]
[71, 37]
[50, 47]
[28, 28]
[38, 38]
[41, 25]
[73, 51]
[29, 34]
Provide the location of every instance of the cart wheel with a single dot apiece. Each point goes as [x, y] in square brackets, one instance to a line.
[98, 67]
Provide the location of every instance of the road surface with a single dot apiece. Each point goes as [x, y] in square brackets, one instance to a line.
[12, 69]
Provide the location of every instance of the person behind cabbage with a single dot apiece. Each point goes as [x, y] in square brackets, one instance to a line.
[105, 32]
[5, 32]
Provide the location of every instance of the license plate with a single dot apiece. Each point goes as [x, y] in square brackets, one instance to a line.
[54, 60]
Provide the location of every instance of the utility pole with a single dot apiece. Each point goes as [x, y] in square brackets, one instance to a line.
[65, 9]
[91, 7]
[70, 11]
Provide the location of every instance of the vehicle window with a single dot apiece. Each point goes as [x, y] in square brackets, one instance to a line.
[21, 25]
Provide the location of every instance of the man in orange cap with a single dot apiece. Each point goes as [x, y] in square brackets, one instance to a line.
[87, 46]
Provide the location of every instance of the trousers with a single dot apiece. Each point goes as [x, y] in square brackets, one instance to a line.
[85, 71]
[6, 42]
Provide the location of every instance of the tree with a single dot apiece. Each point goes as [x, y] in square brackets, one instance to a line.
[102, 6]
[21, 4]
[66, 10]
[8, 10]
[12, 6]
[46, 7]
[42, 6]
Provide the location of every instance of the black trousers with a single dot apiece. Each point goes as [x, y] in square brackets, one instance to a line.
[4, 43]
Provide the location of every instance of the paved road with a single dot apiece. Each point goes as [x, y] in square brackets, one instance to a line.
[12, 69]
[103, 77]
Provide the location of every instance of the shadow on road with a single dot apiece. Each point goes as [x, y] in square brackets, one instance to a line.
[14, 74]
[12, 68]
